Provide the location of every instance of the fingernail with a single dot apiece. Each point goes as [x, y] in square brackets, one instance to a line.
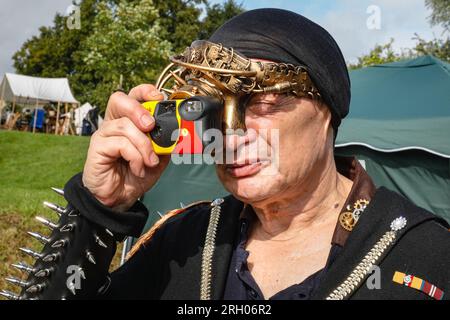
[146, 120]
[154, 94]
[154, 159]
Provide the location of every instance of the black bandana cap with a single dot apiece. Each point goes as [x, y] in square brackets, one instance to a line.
[284, 36]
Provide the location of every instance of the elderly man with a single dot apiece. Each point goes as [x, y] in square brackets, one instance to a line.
[308, 226]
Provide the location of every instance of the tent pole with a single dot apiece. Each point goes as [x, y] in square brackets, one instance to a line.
[3, 104]
[57, 118]
[35, 115]
[14, 104]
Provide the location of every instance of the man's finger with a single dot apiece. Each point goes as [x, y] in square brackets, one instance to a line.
[121, 105]
[121, 147]
[145, 92]
[125, 127]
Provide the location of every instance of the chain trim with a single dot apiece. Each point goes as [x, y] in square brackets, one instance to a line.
[362, 270]
[208, 250]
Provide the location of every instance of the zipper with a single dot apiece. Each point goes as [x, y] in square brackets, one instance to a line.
[362, 270]
[208, 250]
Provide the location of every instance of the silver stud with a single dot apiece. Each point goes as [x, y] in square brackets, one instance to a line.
[398, 223]
[50, 257]
[100, 242]
[9, 295]
[36, 288]
[31, 253]
[67, 228]
[59, 243]
[182, 205]
[43, 273]
[160, 214]
[73, 213]
[58, 191]
[58, 209]
[17, 282]
[109, 232]
[46, 222]
[217, 202]
[23, 267]
[39, 237]
[90, 257]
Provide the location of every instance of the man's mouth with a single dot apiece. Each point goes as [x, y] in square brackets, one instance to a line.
[244, 168]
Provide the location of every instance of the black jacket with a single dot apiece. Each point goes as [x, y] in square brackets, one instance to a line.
[169, 265]
[176, 264]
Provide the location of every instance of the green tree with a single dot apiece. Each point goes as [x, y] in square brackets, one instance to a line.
[50, 54]
[179, 20]
[379, 54]
[440, 12]
[85, 54]
[218, 14]
[125, 40]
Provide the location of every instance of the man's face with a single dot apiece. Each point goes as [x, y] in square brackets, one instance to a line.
[267, 167]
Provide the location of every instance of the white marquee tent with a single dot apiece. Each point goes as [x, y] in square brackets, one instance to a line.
[35, 91]
[32, 90]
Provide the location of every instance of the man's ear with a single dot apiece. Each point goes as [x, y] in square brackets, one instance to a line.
[327, 119]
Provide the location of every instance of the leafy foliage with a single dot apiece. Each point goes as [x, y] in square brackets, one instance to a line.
[132, 38]
[441, 12]
[385, 53]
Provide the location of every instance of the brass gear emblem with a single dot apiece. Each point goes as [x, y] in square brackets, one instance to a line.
[346, 220]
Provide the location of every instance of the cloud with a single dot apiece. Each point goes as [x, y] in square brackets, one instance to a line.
[399, 20]
[20, 20]
[344, 19]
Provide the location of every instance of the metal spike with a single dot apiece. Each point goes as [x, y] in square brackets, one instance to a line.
[59, 243]
[39, 237]
[17, 282]
[90, 257]
[109, 232]
[58, 209]
[67, 228]
[73, 213]
[160, 214]
[58, 191]
[43, 273]
[100, 242]
[36, 288]
[9, 295]
[31, 253]
[51, 257]
[178, 78]
[167, 90]
[22, 266]
[46, 222]
[182, 205]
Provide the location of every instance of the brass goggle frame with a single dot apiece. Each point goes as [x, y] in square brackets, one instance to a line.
[207, 68]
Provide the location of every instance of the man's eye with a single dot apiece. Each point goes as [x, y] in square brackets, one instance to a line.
[262, 107]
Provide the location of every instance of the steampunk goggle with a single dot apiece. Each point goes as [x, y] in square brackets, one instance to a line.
[209, 84]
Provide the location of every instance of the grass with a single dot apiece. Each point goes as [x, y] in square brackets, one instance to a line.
[32, 163]
[29, 165]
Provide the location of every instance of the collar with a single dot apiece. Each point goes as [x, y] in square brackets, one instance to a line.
[363, 188]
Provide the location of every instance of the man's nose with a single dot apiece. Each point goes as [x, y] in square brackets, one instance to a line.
[235, 140]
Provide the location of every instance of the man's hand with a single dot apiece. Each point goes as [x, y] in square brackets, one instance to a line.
[121, 164]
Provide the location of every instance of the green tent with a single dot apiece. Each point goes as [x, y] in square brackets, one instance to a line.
[398, 127]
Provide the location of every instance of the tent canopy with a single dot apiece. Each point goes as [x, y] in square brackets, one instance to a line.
[400, 106]
[28, 90]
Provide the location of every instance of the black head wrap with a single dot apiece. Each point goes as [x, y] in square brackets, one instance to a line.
[284, 36]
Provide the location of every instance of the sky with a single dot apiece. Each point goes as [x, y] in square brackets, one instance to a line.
[357, 25]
